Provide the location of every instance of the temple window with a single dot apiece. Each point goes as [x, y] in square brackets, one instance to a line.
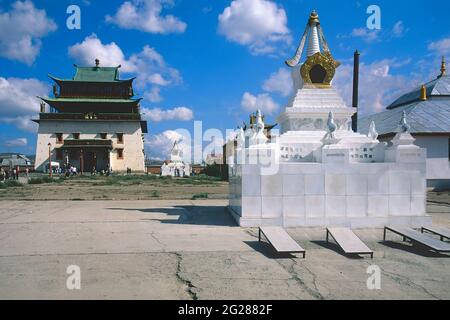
[119, 153]
[76, 135]
[59, 138]
[103, 135]
[119, 137]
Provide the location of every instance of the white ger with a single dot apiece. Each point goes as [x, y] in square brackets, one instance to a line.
[318, 172]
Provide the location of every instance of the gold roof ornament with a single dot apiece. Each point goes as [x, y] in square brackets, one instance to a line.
[423, 93]
[320, 66]
[443, 67]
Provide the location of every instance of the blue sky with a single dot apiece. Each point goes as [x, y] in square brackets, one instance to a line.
[209, 60]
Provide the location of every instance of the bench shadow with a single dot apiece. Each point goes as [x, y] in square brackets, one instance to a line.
[413, 248]
[334, 247]
[190, 215]
[269, 252]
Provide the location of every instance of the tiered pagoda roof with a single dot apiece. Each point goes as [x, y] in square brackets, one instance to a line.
[94, 93]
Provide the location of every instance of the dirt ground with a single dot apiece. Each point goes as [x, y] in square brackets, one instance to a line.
[185, 249]
[144, 187]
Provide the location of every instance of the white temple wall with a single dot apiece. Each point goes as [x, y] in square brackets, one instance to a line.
[133, 146]
[438, 163]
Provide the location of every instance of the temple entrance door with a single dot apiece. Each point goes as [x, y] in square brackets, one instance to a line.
[89, 161]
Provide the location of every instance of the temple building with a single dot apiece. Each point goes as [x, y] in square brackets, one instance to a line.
[92, 122]
[427, 111]
[318, 172]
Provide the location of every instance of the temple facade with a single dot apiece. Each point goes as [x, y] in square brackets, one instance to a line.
[92, 122]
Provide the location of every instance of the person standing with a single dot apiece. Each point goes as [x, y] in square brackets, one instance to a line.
[17, 172]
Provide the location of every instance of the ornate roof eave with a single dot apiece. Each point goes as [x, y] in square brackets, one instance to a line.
[59, 80]
[93, 100]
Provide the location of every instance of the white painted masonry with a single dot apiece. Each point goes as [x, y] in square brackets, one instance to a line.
[133, 145]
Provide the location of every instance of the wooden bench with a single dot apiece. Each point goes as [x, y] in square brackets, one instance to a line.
[280, 240]
[418, 238]
[442, 232]
[348, 241]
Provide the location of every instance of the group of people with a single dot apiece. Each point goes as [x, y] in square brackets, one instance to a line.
[12, 173]
[102, 172]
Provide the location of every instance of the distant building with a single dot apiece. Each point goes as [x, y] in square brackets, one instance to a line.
[93, 123]
[214, 158]
[13, 160]
[428, 114]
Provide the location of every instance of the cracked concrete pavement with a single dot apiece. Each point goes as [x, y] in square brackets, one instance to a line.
[193, 250]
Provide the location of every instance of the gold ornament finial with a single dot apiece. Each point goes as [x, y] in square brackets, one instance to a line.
[423, 93]
[314, 18]
[443, 67]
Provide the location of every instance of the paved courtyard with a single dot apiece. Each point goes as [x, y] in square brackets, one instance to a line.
[193, 250]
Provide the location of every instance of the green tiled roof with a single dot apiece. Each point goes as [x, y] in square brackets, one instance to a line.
[97, 74]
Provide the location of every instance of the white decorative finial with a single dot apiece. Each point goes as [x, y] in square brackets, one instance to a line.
[373, 134]
[404, 126]
[332, 127]
[313, 43]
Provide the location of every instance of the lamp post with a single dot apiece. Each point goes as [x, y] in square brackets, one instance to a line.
[81, 161]
[50, 159]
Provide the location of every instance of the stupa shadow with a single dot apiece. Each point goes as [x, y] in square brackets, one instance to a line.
[268, 251]
[414, 248]
[188, 215]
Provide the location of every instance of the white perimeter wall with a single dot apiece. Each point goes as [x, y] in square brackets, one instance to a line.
[133, 156]
[438, 165]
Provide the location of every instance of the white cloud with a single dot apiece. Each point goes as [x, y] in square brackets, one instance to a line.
[151, 69]
[18, 102]
[178, 113]
[366, 34]
[378, 85]
[159, 146]
[280, 82]
[16, 143]
[145, 15]
[22, 29]
[259, 24]
[263, 102]
[154, 95]
[441, 47]
[109, 54]
[399, 29]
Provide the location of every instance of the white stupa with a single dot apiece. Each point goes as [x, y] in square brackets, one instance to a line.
[318, 172]
[176, 167]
